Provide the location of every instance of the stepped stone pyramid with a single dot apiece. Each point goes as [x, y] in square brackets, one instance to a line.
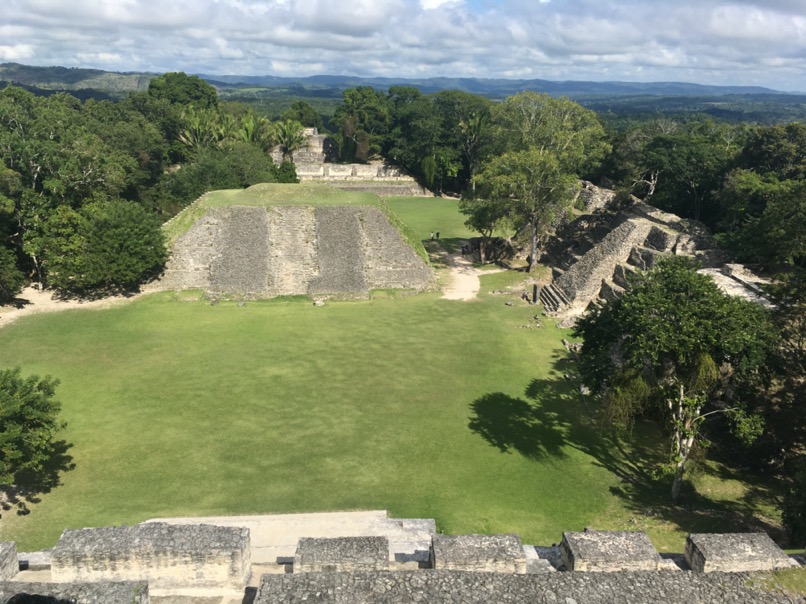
[263, 252]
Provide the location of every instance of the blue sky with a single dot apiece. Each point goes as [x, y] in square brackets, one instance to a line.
[747, 42]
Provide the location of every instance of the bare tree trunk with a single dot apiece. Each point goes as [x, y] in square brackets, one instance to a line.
[533, 253]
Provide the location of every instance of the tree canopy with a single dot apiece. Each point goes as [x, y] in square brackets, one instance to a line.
[668, 347]
[29, 421]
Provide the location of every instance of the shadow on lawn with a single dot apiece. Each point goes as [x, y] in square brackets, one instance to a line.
[29, 486]
[552, 416]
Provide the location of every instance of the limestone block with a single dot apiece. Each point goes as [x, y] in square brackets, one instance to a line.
[734, 552]
[485, 553]
[104, 592]
[338, 170]
[608, 551]
[661, 239]
[305, 170]
[9, 565]
[168, 556]
[341, 554]
[367, 171]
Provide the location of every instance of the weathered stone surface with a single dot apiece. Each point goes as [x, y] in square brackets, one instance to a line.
[9, 564]
[608, 551]
[341, 554]
[165, 555]
[258, 252]
[241, 264]
[734, 552]
[438, 586]
[485, 553]
[339, 249]
[103, 592]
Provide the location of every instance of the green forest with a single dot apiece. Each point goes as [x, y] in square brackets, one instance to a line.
[86, 185]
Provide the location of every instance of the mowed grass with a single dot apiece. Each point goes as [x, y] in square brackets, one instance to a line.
[458, 411]
[181, 408]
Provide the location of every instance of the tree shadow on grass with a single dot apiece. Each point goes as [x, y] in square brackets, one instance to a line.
[552, 416]
[30, 486]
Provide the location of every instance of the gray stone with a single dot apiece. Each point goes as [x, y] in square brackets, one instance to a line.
[734, 552]
[166, 555]
[9, 564]
[608, 551]
[39, 560]
[451, 586]
[341, 554]
[101, 592]
[485, 553]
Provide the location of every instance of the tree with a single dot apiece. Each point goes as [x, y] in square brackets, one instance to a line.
[668, 347]
[363, 118]
[531, 187]
[28, 424]
[290, 138]
[181, 89]
[304, 113]
[11, 278]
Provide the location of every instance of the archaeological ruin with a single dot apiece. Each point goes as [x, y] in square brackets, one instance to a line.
[251, 559]
[264, 252]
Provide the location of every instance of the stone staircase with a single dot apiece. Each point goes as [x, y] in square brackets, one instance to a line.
[553, 298]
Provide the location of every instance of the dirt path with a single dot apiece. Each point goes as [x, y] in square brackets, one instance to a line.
[464, 281]
[32, 301]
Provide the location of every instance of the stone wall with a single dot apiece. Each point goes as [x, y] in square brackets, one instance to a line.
[101, 592]
[258, 252]
[709, 552]
[608, 551]
[9, 564]
[485, 588]
[165, 555]
[341, 554]
[592, 256]
[485, 553]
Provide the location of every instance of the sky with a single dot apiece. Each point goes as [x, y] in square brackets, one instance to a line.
[724, 42]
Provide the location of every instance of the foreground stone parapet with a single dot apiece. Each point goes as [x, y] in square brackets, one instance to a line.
[341, 554]
[9, 565]
[165, 555]
[484, 553]
[734, 552]
[103, 592]
[608, 551]
[485, 588]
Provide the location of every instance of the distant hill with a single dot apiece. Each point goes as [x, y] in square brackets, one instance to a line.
[72, 78]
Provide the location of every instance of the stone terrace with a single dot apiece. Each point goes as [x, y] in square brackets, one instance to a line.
[257, 252]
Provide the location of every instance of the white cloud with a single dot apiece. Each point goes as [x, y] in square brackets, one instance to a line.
[720, 41]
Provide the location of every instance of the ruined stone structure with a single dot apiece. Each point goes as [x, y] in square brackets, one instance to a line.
[263, 252]
[482, 553]
[341, 554]
[593, 256]
[315, 162]
[609, 551]
[203, 564]
[8, 560]
[710, 552]
[165, 555]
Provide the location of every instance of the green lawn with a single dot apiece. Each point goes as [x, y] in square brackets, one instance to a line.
[425, 407]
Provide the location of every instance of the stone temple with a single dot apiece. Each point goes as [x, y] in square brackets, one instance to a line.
[263, 252]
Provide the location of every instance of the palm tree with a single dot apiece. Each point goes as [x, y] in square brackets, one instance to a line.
[290, 138]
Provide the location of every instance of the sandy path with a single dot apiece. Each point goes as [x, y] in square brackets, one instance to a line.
[464, 281]
[32, 301]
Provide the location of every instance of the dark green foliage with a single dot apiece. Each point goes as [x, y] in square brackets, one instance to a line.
[108, 246]
[124, 246]
[363, 119]
[236, 167]
[669, 347]
[304, 113]
[11, 278]
[28, 424]
[286, 172]
[181, 89]
[794, 511]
